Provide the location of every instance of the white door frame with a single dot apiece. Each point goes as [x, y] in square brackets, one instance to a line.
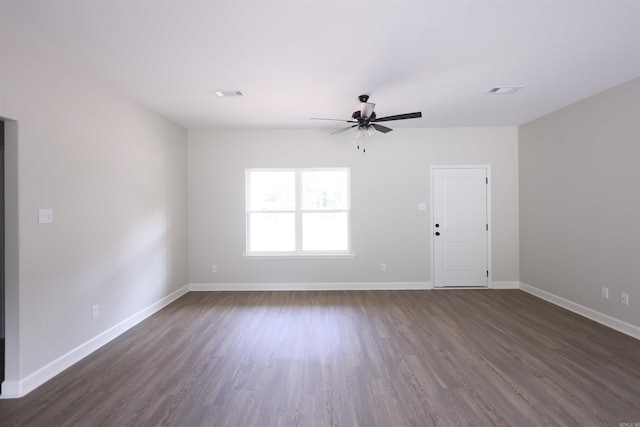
[487, 168]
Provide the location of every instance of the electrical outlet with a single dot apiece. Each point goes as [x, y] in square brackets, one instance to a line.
[605, 293]
[214, 268]
[94, 312]
[383, 267]
[624, 298]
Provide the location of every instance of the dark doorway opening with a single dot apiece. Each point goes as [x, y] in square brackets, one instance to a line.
[2, 269]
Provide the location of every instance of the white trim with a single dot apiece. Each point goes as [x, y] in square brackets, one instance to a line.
[353, 286]
[256, 255]
[589, 313]
[506, 284]
[11, 390]
[15, 389]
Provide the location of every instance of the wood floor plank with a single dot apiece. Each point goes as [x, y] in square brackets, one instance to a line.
[357, 358]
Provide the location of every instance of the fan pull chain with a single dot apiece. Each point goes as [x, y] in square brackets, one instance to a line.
[364, 148]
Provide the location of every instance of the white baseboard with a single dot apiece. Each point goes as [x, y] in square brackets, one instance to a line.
[364, 286]
[505, 285]
[11, 390]
[15, 389]
[589, 313]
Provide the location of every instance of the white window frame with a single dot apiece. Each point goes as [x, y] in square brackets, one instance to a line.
[298, 211]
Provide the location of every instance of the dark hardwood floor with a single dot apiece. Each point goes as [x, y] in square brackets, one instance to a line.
[365, 358]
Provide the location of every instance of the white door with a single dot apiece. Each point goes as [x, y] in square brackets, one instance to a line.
[460, 227]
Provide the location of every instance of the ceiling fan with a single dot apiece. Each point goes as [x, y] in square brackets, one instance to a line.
[366, 120]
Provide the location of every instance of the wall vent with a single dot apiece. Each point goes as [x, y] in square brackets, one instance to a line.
[505, 90]
[227, 92]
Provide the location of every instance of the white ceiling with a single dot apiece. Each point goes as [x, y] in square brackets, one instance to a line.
[300, 59]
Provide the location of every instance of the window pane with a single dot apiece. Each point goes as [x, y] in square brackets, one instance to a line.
[324, 231]
[271, 190]
[272, 232]
[324, 190]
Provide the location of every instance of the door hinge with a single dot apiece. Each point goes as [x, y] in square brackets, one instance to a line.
[487, 273]
[487, 180]
[487, 227]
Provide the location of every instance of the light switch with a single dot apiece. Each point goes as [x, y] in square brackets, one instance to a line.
[45, 216]
[422, 206]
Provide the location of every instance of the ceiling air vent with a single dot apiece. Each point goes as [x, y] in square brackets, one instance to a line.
[505, 90]
[226, 92]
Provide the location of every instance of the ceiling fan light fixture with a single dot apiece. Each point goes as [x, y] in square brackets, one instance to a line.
[364, 132]
[505, 90]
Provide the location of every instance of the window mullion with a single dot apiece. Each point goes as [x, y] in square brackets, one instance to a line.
[298, 211]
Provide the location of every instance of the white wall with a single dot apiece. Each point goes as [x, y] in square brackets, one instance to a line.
[115, 176]
[580, 202]
[388, 182]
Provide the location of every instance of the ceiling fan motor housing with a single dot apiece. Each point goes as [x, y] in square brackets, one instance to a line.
[363, 121]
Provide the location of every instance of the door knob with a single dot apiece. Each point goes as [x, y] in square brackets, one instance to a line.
[437, 225]
[437, 233]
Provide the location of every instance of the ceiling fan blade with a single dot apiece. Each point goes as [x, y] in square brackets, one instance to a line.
[381, 128]
[334, 120]
[367, 109]
[335, 132]
[398, 117]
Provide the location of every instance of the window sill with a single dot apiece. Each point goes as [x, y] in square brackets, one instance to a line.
[299, 256]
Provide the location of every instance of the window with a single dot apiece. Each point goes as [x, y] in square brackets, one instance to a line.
[297, 211]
